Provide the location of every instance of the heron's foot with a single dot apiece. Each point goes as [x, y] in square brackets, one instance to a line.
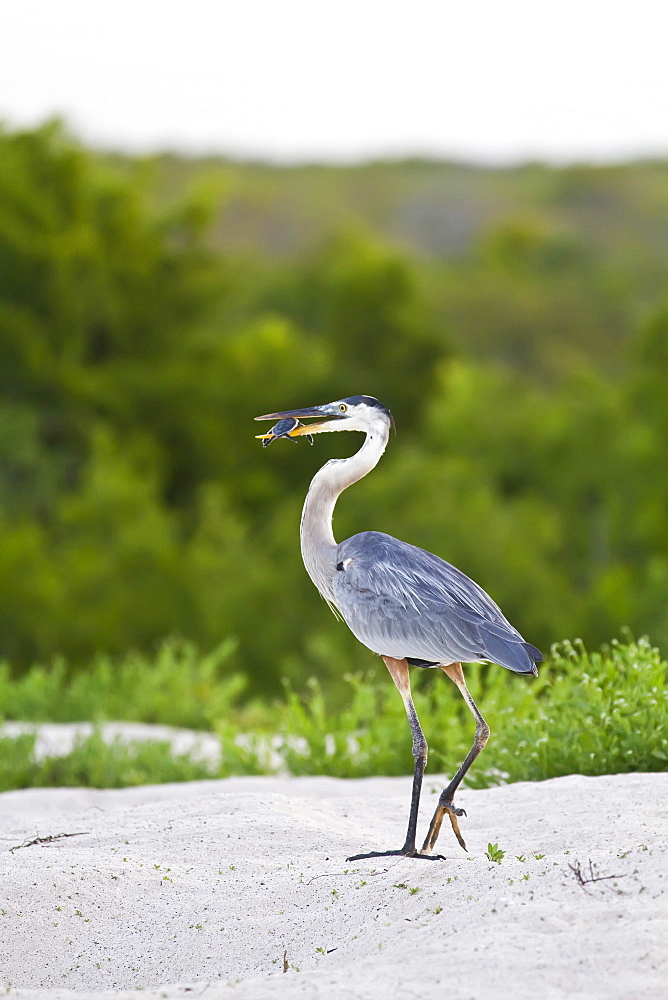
[403, 853]
[445, 806]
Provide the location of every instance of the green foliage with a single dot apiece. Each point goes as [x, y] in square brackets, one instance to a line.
[602, 713]
[587, 713]
[96, 764]
[365, 301]
[177, 687]
[521, 344]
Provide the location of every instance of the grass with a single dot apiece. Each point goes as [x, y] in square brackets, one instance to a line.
[178, 687]
[95, 764]
[589, 713]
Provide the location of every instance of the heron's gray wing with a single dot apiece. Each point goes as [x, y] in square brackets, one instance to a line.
[402, 601]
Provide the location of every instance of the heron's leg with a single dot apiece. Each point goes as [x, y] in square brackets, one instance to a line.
[445, 802]
[399, 673]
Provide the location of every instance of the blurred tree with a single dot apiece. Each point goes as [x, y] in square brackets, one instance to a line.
[535, 296]
[135, 502]
[365, 301]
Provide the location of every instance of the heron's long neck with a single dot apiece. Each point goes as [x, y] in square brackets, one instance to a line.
[317, 537]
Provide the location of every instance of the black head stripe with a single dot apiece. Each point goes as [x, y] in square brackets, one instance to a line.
[369, 401]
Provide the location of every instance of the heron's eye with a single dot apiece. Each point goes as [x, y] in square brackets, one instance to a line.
[343, 407]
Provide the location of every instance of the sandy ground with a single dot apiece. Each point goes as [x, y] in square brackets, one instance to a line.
[216, 885]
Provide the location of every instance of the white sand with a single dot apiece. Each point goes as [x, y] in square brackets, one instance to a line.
[208, 884]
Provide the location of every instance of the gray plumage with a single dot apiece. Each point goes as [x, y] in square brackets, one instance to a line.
[405, 602]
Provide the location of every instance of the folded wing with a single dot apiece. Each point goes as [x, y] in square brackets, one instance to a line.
[402, 601]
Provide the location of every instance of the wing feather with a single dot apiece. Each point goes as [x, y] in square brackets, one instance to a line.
[402, 601]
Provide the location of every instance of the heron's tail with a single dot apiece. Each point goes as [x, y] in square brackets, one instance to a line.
[519, 656]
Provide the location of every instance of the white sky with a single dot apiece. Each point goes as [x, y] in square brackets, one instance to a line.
[290, 80]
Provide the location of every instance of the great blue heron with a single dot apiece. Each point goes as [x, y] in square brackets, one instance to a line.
[402, 602]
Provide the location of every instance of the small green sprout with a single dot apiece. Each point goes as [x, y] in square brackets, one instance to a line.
[494, 854]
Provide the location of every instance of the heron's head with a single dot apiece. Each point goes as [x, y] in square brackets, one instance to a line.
[354, 413]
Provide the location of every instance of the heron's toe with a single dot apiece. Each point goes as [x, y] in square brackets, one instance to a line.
[402, 853]
[444, 808]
